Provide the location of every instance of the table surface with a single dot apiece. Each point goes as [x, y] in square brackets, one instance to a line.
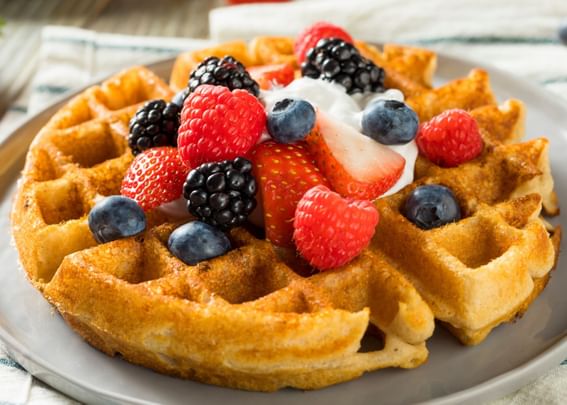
[20, 38]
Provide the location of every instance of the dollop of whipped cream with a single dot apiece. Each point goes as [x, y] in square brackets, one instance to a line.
[333, 99]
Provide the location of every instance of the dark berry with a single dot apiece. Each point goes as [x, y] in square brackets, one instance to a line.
[335, 60]
[219, 201]
[197, 198]
[432, 206]
[222, 194]
[155, 124]
[290, 120]
[235, 180]
[197, 241]
[390, 122]
[563, 32]
[195, 179]
[216, 182]
[242, 165]
[180, 97]
[116, 217]
[227, 72]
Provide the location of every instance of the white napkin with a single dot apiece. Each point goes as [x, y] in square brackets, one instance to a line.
[516, 35]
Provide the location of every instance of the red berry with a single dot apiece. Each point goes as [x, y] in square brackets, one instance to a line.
[450, 138]
[217, 124]
[330, 230]
[356, 165]
[309, 37]
[155, 177]
[284, 173]
[268, 75]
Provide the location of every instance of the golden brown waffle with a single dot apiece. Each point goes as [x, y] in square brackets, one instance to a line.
[254, 318]
[80, 155]
[244, 320]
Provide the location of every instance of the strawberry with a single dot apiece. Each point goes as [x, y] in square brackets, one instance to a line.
[284, 173]
[217, 124]
[309, 37]
[155, 177]
[450, 138]
[329, 230]
[356, 166]
[268, 75]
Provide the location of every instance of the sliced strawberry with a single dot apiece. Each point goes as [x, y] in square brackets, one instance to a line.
[268, 75]
[355, 165]
[155, 177]
[284, 173]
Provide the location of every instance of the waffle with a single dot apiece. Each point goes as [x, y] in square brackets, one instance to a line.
[245, 320]
[256, 318]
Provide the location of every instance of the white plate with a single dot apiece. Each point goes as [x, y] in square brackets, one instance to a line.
[510, 357]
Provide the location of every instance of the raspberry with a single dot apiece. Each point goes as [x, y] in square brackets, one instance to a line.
[309, 37]
[217, 124]
[330, 231]
[155, 177]
[450, 138]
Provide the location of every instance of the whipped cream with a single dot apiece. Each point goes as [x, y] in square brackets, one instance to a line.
[333, 100]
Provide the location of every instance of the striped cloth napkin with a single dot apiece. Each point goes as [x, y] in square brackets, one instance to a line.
[515, 35]
[71, 58]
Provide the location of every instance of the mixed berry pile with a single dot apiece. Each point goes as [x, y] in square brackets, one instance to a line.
[309, 177]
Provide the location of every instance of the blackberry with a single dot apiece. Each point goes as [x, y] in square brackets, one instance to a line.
[155, 124]
[180, 97]
[335, 60]
[221, 194]
[227, 72]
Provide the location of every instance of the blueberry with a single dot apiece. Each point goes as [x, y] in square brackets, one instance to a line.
[290, 120]
[197, 241]
[389, 122]
[431, 206]
[563, 32]
[116, 217]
